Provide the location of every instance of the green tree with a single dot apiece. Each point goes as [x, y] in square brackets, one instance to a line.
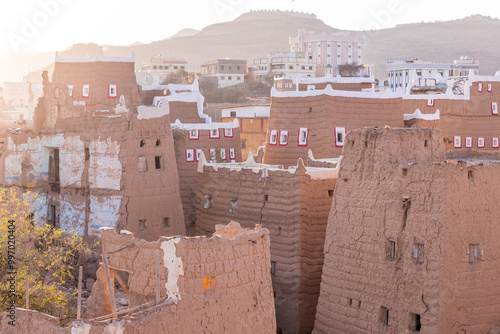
[350, 70]
[181, 76]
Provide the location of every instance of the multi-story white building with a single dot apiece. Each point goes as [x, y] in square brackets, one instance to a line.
[224, 72]
[154, 70]
[402, 73]
[334, 49]
[288, 65]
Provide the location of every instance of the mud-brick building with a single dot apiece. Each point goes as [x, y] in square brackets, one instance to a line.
[412, 240]
[338, 83]
[95, 156]
[194, 133]
[293, 204]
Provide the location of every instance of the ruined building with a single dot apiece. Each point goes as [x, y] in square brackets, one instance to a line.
[293, 204]
[220, 284]
[411, 241]
[95, 156]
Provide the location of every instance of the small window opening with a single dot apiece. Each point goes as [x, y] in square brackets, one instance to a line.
[273, 268]
[330, 193]
[406, 207]
[234, 204]
[474, 253]
[209, 202]
[53, 216]
[243, 145]
[405, 171]
[418, 253]
[158, 142]
[143, 225]
[158, 162]
[233, 113]
[166, 223]
[87, 154]
[469, 174]
[415, 324]
[384, 316]
[366, 143]
[143, 143]
[391, 250]
[209, 283]
[425, 143]
[350, 302]
[266, 198]
[359, 304]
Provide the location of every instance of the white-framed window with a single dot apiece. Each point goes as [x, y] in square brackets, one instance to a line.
[457, 141]
[430, 102]
[273, 137]
[490, 88]
[468, 142]
[223, 153]
[480, 142]
[479, 86]
[283, 138]
[214, 134]
[189, 155]
[213, 157]
[112, 91]
[85, 91]
[70, 90]
[194, 134]
[339, 136]
[303, 134]
[141, 164]
[198, 154]
[494, 108]
[232, 154]
[494, 142]
[228, 133]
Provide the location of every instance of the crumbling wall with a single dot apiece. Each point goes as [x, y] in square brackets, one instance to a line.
[293, 205]
[220, 284]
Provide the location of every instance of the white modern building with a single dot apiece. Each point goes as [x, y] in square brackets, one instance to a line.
[224, 72]
[328, 49]
[288, 65]
[402, 73]
[154, 70]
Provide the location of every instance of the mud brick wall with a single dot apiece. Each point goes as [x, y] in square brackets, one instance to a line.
[396, 187]
[296, 201]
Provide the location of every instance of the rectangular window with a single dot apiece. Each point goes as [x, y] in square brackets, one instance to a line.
[415, 324]
[390, 251]
[158, 164]
[418, 253]
[490, 88]
[468, 142]
[273, 268]
[303, 134]
[233, 113]
[223, 153]
[474, 253]
[70, 90]
[494, 142]
[213, 157]
[198, 154]
[457, 142]
[494, 108]
[339, 136]
[231, 154]
[243, 144]
[228, 133]
[222, 68]
[384, 316]
[143, 224]
[480, 142]
[85, 91]
[194, 134]
[273, 137]
[54, 166]
[479, 87]
[112, 93]
[229, 78]
[430, 102]
[142, 166]
[166, 223]
[234, 204]
[189, 155]
[209, 202]
[53, 218]
[283, 138]
[214, 134]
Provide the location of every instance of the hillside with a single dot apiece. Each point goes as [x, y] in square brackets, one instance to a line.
[254, 34]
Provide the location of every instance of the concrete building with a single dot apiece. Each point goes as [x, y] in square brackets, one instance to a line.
[154, 70]
[253, 125]
[288, 65]
[323, 49]
[360, 84]
[293, 204]
[402, 73]
[410, 239]
[224, 72]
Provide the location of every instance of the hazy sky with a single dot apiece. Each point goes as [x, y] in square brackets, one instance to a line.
[47, 25]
